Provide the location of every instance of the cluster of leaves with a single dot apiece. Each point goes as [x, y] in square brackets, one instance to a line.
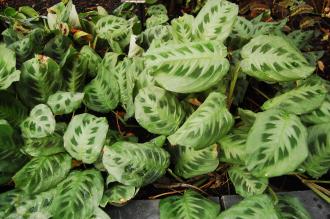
[61, 76]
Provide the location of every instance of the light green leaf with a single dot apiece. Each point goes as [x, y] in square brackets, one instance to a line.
[158, 111]
[243, 28]
[85, 136]
[318, 160]
[215, 21]
[258, 206]
[135, 164]
[313, 56]
[289, 207]
[268, 28]
[59, 48]
[42, 173]
[182, 28]
[78, 195]
[91, 60]
[191, 205]
[190, 162]
[39, 124]
[160, 32]
[245, 183]
[156, 20]
[100, 214]
[320, 115]
[303, 99]
[300, 38]
[11, 109]
[8, 72]
[274, 59]
[45, 146]
[65, 102]
[118, 195]
[188, 67]
[206, 125]
[156, 9]
[276, 144]
[40, 78]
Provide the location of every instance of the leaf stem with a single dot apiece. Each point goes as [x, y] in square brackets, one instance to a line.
[271, 191]
[235, 74]
[175, 176]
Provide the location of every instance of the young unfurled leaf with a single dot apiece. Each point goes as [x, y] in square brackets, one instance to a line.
[191, 205]
[274, 59]
[65, 102]
[78, 195]
[118, 195]
[290, 207]
[303, 99]
[191, 162]
[206, 125]
[258, 206]
[158, 111]
[215, 21]
[276, 144]
[85, 136]
[245, 183]
[135, 164]
[42, 173]
[188, 67]
[8, 72]
[318, 160]
[182, 28]
[39, 124]
[40, 78]
[320, 115]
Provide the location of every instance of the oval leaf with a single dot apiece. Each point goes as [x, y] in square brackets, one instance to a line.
[8, 72]
[290, 207]
[320, 115]
[65, 102]
[182, 28]
[118, 195]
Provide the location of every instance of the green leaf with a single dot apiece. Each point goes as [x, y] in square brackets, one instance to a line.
[158, 111]
[91, 60]
[58, 48]
[40, 78]
[49, 145]
[85, 136]
[40, 123]
[243, 28]
[319, 115]
[191, 205]
[215, 21]
[78, 195]
[258, 206]
[268, 28]
[65, 102]
[182, 28]
[100, 214]
[156, 9]
[8, 72]
[289, 207]
[245, 183]
[318, 160]
[188, 67]
[42, 173]
[276, 144]
[135, 164]
[118, 195]
[11, 109]
[300, 38]
[303, 99]
[206, 125]
[313, 56]
[160, 32]
[274, 59]
[191, 163]
[156, 20]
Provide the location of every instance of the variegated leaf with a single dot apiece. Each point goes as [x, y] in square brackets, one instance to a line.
[135, 164]
[276, 144]
[268, 28]
[118, 195]
[318, 160]
[274, 59]
[191, 205]
[8, 72]
[300, 38]
[78, 195]
[258, 206]
[156, 20]
[191, 162]
[39, 124]
[215, 21]
[243, 28]
[313, 56]
[245, 183]
[65, 102]
[42, 173]
[100, 214]
[188, 67]
[85, 136]
[156, 9]
[59, 48]
[289, 207]
[158, 110]
[40, 78]
[182, 28]
[90, 59]
[320, 115]
[160, 32]
[206, 125]
[303, 99]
